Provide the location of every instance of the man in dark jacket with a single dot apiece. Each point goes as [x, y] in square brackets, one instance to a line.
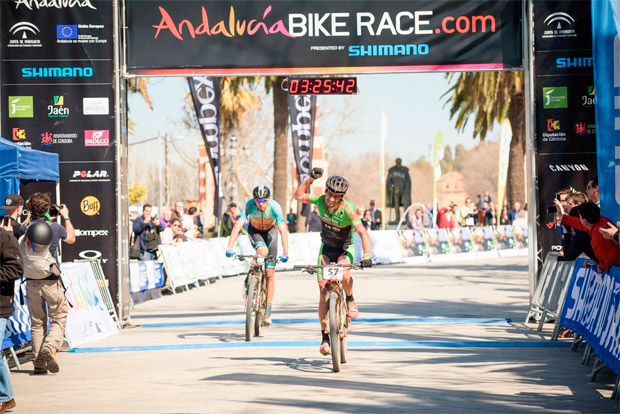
[11, 269]
[147, 228]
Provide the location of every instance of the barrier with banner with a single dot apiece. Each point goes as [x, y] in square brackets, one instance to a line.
[145, 275]
[592, 309]
[18, 326]
[88, 316]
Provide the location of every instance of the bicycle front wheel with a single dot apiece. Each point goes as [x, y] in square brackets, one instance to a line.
[334, 329]
[249, 307]
[260, 307]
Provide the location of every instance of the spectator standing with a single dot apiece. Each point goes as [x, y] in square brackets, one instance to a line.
[367, 220]
[376, 215]
[13, 205]
[592, 191]
[147, 229]
[229, 218]
[487, 197]
[416, 222]
[172, 235]
[165, 218]
[590, 221]
[504, 219]
[467, 213]
[575, 199]
[488, 218]
[178, 211]
[575, 242]
[313, 221]
[11, 269]
[291, 220]
[188, 222]
[445, 219]
[516, 209]
[45, 297]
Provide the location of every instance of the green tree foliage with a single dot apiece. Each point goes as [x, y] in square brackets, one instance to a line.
[137, 193]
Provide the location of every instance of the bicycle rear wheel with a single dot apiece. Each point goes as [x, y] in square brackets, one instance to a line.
[334, 329]
[249, 307]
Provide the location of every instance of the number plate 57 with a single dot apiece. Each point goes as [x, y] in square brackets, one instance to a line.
[332, 273]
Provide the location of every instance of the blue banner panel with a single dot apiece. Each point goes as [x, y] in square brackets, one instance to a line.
[592, 309]
[607, 83]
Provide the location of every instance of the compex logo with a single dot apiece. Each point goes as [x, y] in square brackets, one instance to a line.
[91, 233]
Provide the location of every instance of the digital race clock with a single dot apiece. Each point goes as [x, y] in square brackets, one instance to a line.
[322, 86]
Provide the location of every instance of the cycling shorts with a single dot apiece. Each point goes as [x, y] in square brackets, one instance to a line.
[329, 254]
[267, 239]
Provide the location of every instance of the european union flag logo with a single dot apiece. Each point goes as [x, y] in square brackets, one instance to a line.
[66, 31]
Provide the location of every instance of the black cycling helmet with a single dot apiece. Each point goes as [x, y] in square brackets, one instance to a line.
[337, 184]
[261, 191]
[39, 232]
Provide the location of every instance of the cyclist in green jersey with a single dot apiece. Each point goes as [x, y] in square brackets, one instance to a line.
[338, 220]
[265, 220]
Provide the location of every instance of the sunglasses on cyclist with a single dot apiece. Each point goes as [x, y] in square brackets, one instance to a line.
[261, 200]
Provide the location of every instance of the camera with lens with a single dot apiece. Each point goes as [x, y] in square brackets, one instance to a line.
[552, 209]
[54, 210]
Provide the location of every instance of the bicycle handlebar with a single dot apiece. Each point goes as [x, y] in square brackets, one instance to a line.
[245, 257]
[314, 268]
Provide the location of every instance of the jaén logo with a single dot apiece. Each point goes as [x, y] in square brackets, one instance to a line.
[97, 138]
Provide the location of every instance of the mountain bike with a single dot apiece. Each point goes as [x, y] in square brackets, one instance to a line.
[256, 293]
[337, 320]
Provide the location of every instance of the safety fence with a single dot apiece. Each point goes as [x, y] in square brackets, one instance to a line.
[91, 312]
[190, 262]
[586, 302]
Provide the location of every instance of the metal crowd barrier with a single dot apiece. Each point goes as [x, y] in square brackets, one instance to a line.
[550, 292]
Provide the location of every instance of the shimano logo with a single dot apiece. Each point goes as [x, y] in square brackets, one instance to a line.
[90, 233]
[55, 4]
[580, 62]
[57, 72]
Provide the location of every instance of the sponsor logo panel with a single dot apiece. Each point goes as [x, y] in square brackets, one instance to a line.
[24, 34]
[555, 97]
[559, 24]
[90, 205]
[96, 106]
[97, 138]
[91, 233]
[49, 138]
[80, 33]
[58, 109]
[90, 176]
[21, 107]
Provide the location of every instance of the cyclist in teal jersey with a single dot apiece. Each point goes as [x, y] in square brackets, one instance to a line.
[265, 220]
[338, 220]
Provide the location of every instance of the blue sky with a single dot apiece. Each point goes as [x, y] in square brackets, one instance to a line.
[412, 101]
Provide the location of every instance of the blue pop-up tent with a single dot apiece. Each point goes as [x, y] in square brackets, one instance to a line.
[19, 164]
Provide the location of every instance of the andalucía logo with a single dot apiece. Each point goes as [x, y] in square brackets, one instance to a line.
[26, 33]
[55, 4]
[560, 25]
[231, 27]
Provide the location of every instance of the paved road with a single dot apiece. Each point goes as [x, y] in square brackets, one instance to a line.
[433, 338]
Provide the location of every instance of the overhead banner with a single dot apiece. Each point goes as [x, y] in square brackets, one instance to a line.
[312, 36]
[302, 110]
[57, 92]
[565, 99]
[205, 92]
[606, 60]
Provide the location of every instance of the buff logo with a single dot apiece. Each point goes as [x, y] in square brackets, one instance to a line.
[233, 26]
[54, 4]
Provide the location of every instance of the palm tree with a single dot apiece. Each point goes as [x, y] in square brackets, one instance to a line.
[491, 97]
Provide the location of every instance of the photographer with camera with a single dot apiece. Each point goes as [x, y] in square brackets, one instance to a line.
[13, 205]
[45, 294]
[147, 229]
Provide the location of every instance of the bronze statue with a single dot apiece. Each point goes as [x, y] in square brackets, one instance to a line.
[398, 188]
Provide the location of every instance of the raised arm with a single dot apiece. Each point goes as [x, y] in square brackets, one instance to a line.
[300, 192]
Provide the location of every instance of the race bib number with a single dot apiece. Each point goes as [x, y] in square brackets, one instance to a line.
[332, 273]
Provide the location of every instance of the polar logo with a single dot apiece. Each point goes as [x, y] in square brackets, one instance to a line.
[91, 233]
[90, 174]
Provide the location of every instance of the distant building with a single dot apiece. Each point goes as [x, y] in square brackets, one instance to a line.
[451, 189]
